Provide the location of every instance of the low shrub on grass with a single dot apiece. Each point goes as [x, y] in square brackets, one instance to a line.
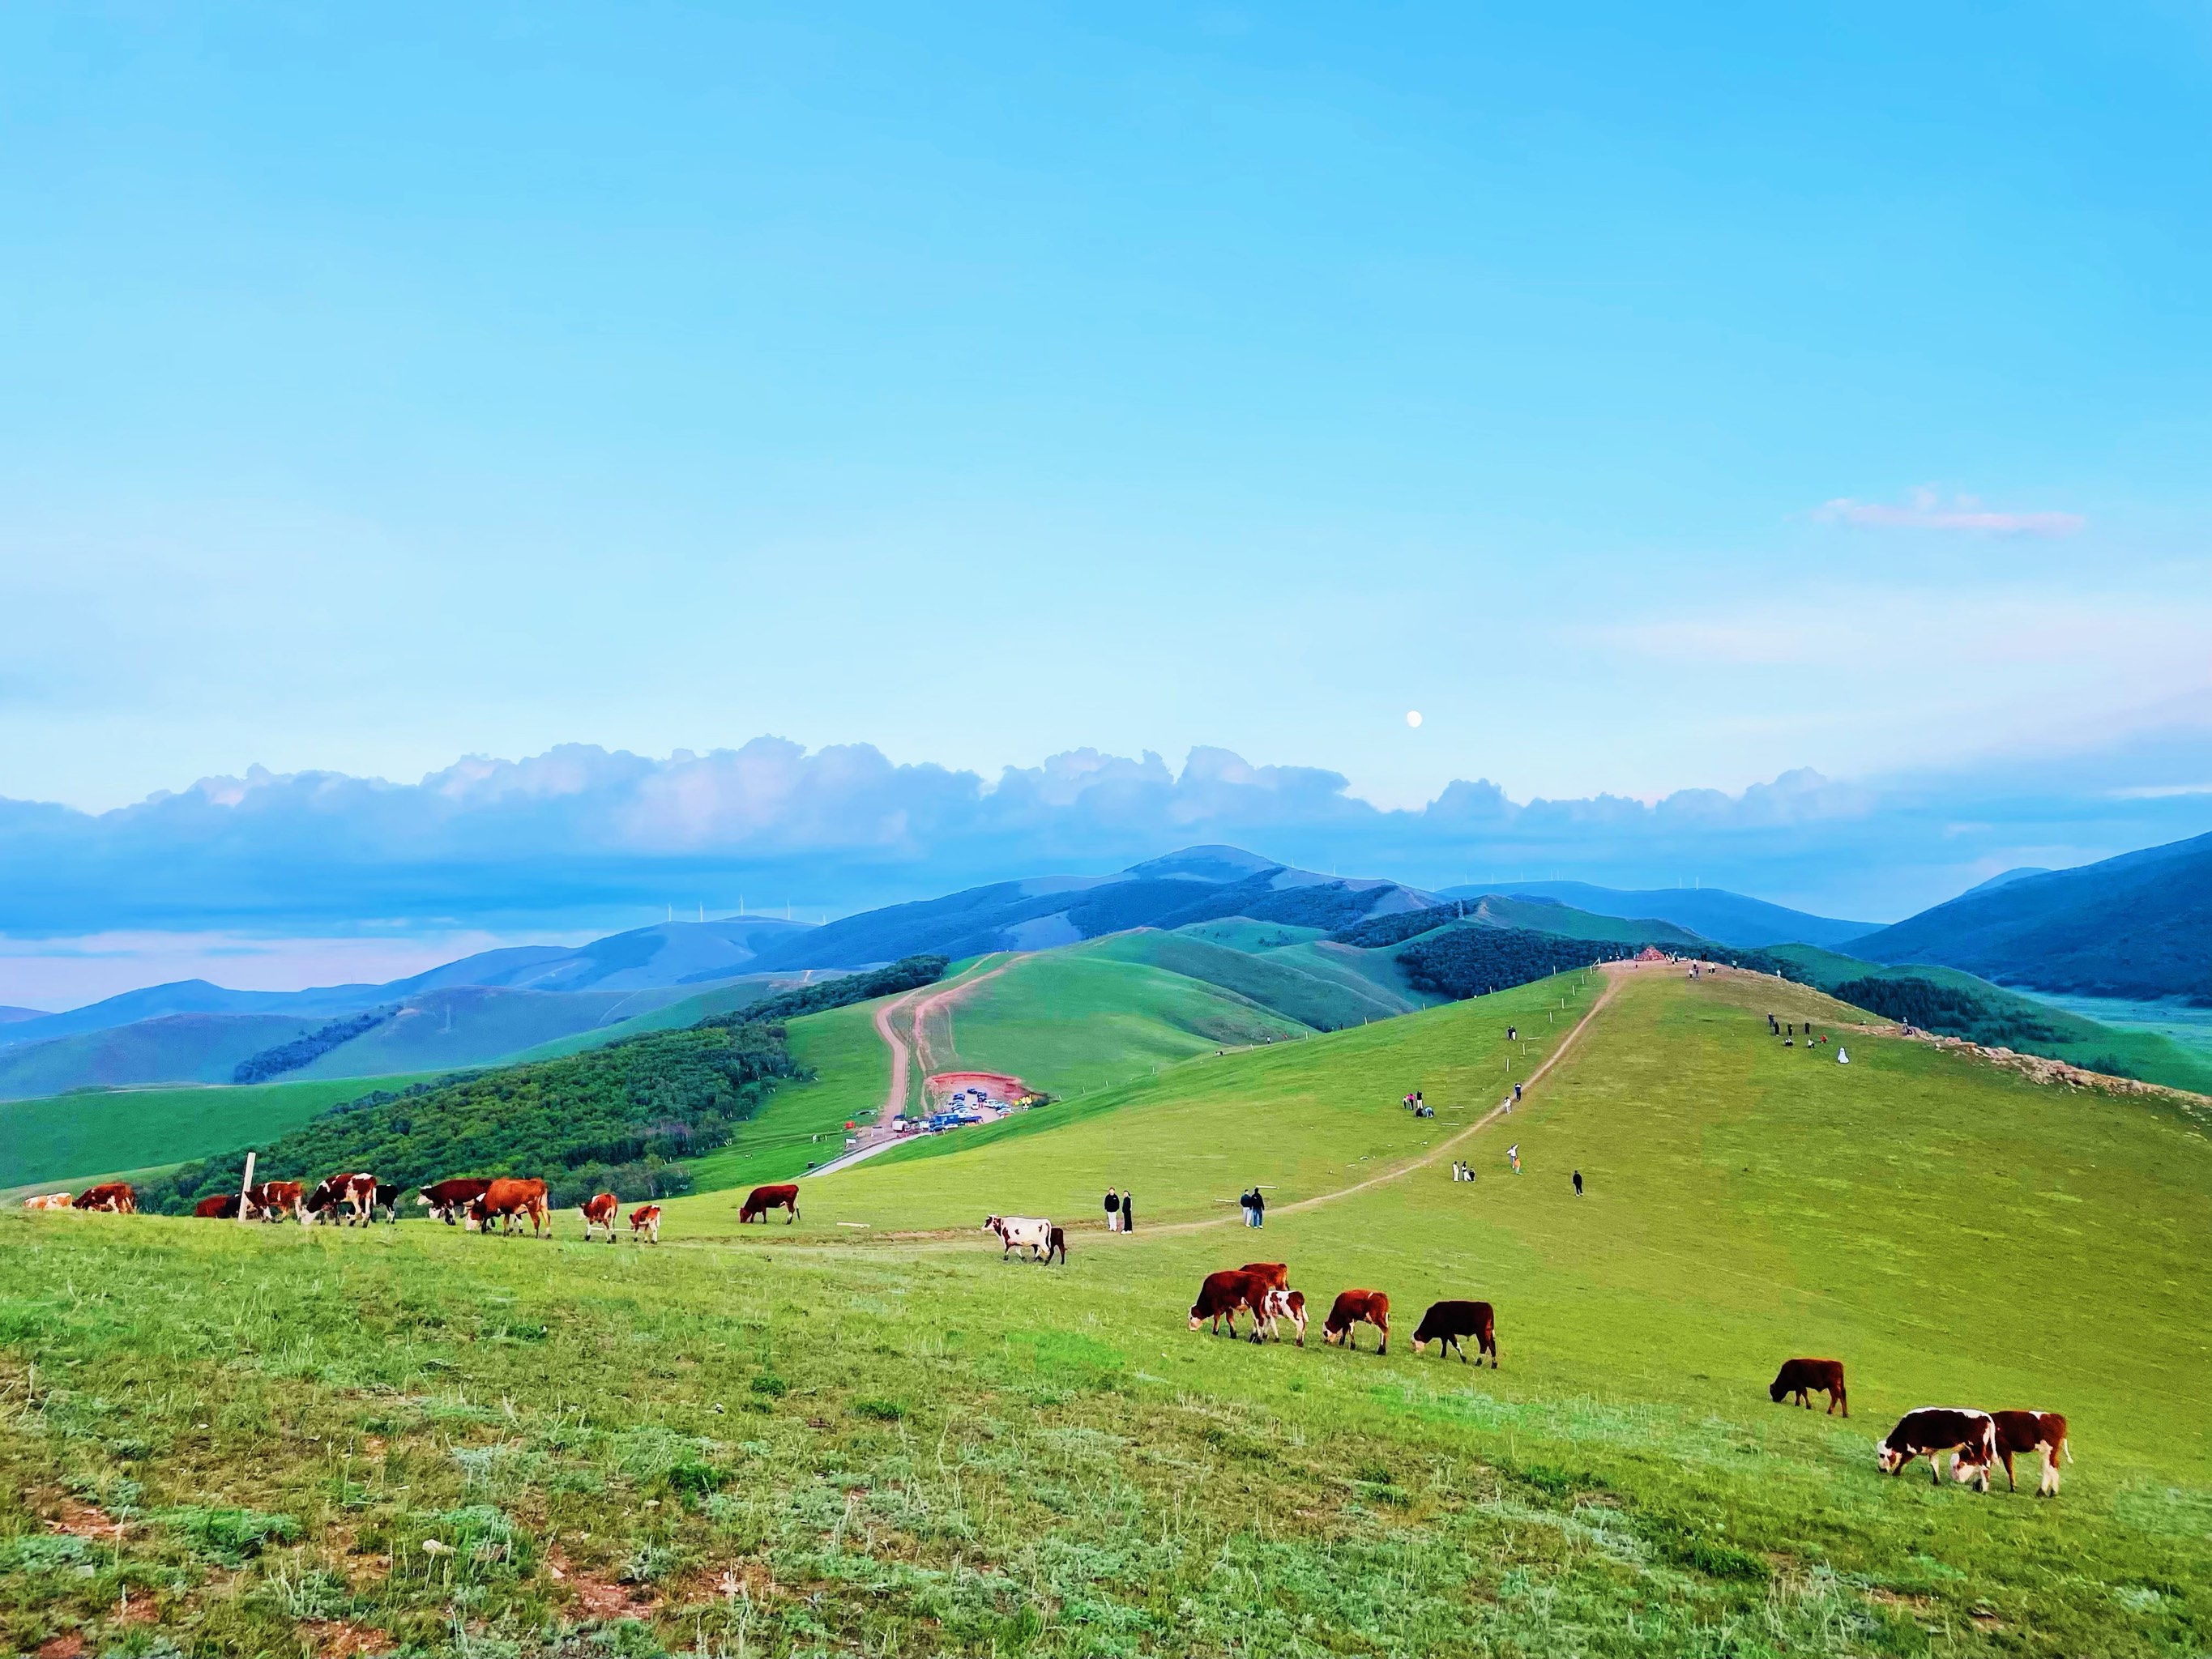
[226, 1536]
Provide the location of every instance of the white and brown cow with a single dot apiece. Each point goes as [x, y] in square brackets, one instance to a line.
[645, 1223]
[1021, 1232]
[601, 1212]
[356, 1191]
[51, 1201]
[1280, 1304]
[2021, 1432]
[1970, 1435]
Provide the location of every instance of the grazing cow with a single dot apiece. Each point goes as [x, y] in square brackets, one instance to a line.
[223, 1206]
[1445, 1323]
[1032, 1233]
[1931, 1431]
[600, 1212]
[1275, 1273]
[1806, 1377]
[509, 1199]
[1225, 1295]
[784, 1195]
[1279, 1303]
[272, 1200]
[1352, 1307]
[387, 1200]
[645, 1223]
[357, 1192]
[1056, 1245]
[115, 1197]
[51, 1201]
[2021, 1432]
[447, 1199]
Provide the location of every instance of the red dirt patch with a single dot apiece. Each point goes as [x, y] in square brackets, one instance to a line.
[68, 1645]
[87, 1520]
[595, 1597]
[330, 1639]
[1000, 1084]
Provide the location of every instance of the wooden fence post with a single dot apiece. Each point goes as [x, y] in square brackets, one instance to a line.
[244, 1187]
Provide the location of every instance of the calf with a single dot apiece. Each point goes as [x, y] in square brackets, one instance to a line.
[114, 1197]
[272, 1200]
[51, 1201]
[1353, 1308]
[1805, 1378]
[1279, 1303]
[1931, 1431]
[1446, 1323]
[600, 1212]
[223, 1206]
[2021, 1432]
[1032, 1233]
[447, 1199]
[1225, 1295]
[508, 1198]
[645, 1223]
[784, 1195]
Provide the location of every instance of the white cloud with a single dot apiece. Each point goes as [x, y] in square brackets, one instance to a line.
[1927, 510]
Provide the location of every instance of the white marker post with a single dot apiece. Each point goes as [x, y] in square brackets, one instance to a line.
[244, 1187]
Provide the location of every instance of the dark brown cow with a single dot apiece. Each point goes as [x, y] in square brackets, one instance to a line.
[645, 1223]
[114, 1197]
[272, 1200]
[600, 1212]
[223, 1206]
[1055, 1243]
[1445, 1323]
[1277, 1274]
[1225, 1295]
[1930, 1431]
[446, 1199]
[1806, 1377]
[1353, 1308]
[507, 1199]
[2021, 1432]
[784, 1195]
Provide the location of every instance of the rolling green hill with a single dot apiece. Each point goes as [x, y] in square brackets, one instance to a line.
[1325, 1002]
[819, 1438]
[1972, 1008]
[174, 1048]
[64, 1138]
[479, 1025]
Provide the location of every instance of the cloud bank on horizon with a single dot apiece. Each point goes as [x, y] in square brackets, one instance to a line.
[360, 870]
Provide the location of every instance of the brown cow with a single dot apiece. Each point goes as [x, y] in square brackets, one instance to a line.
[784, 1195]
[51, 1201]
[271, 1200]
[1277, 1274]
[2021, 1432]
[1930, 1431]
[115, 1197]
[1225, 1295]
[508, 1198]
[600, 1212]
[1806, 1377]
[446, 1199]
[1445, 1323]
[357, 1192]
[645, 1223]
[1352, 1307]
[223, 1206]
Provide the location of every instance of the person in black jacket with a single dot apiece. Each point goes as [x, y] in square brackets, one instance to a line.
[1128, 1213]
[1112, 1211]
[1259, 1207]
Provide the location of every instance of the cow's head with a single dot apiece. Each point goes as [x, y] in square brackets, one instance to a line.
[1890, 1458]
[1420, 1343]
[993, 1223]
[1197, 1319]
[1776, 1391]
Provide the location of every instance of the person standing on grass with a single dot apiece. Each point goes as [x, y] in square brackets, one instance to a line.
[1578, 1183]
[1128, 1213]
[1259, 1207]
[1517, 1094]
[1112, 1211]
[1244, 1206]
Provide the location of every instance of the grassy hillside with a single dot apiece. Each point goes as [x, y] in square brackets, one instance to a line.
[1982, 1012]
[669, 1017]
[2184, 1024]
[803, 1123]
[1082, 1017]
[1325, 1002]
[175, 1048]
[64, 1137]
[790, 1443]
[479, 1025]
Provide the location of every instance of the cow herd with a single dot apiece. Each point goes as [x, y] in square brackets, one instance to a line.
[1262, 1288]
[358, 1199]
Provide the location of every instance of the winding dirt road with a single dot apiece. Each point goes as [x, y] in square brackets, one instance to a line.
[912, 1048]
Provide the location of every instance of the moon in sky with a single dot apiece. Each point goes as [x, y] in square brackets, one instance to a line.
[1413, 717]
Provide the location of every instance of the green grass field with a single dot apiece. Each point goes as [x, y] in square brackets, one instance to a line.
[818, 1439]
[803, 1123]
[2185, 1027]
[64, 1137]
[1083, 1019]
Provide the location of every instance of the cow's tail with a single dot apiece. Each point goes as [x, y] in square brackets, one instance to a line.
[2067, 1447]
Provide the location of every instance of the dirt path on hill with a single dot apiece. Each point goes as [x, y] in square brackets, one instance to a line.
[1613, 972]
[913, 1050]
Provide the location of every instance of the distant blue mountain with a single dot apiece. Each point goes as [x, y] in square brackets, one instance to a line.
[2008, 877]
[2137, 925]
[1725, 918]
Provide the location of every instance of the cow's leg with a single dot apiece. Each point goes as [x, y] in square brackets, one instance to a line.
[2011, 1485]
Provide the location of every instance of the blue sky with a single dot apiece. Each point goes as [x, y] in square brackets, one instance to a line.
[1654, 399]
